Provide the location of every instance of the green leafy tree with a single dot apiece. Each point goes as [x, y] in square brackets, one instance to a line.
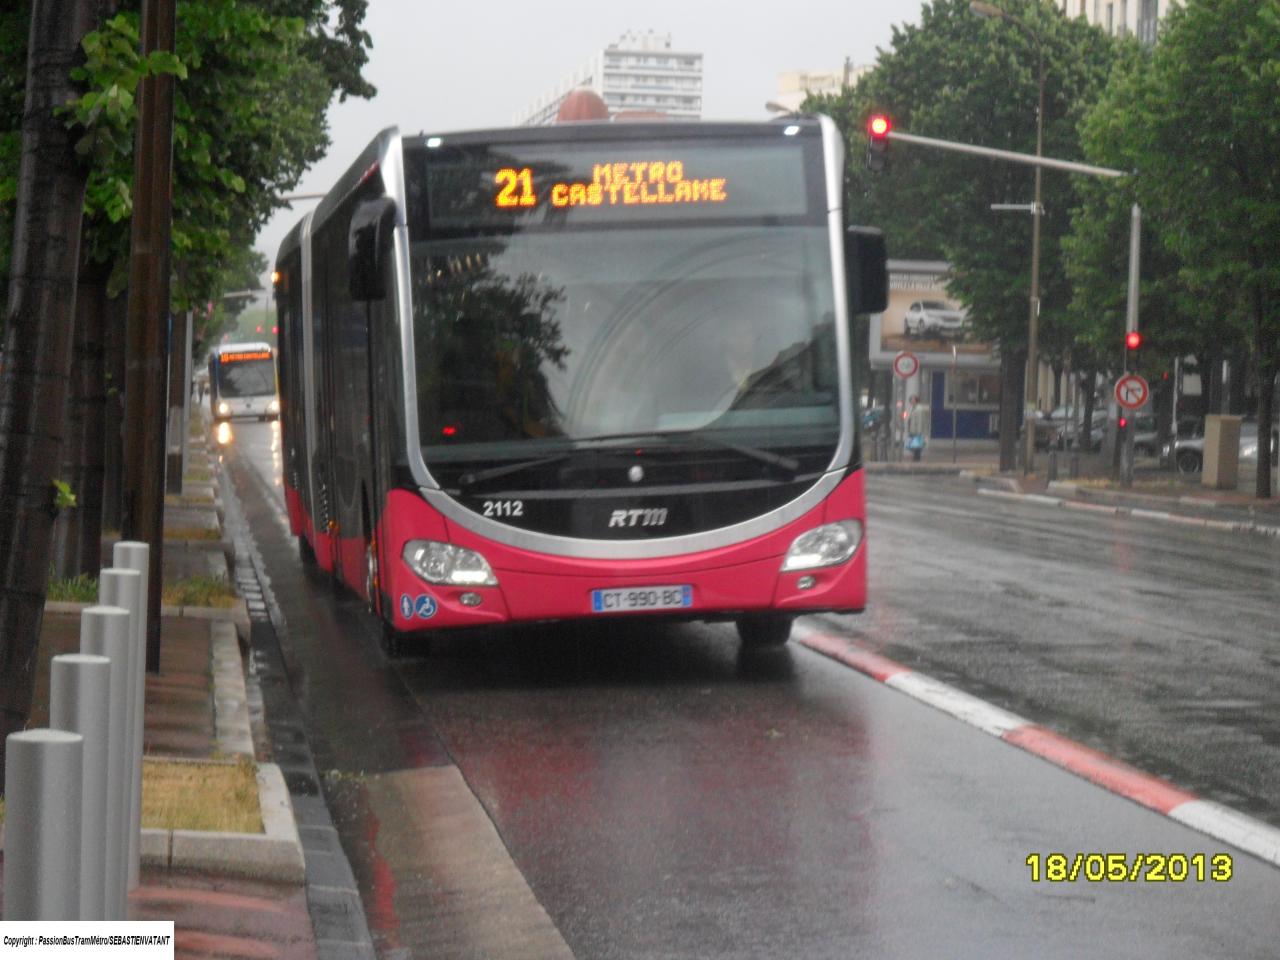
[958, 77]
[36, 367]
[1199, 125]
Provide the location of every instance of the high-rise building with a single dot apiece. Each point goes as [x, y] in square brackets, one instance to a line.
[795, 86]
[1120, 17]
[639, 74]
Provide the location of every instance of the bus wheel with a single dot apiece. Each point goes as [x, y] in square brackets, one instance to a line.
[307, 555]
[764, 629]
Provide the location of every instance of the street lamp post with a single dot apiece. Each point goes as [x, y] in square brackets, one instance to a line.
[1033, 320]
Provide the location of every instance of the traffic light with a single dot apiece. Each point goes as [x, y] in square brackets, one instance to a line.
[878, 127]
[1132, 341]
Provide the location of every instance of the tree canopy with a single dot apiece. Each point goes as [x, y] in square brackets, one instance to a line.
[1197, 122]
[958, 77]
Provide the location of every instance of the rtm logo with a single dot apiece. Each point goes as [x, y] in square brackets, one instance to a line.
[654, 517]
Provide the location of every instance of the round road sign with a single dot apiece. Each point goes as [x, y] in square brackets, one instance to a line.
[906, 364]
[1132, 391]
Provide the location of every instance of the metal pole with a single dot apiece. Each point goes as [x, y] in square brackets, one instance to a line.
[130, 555]
[105, 632]
[1033, 321]
[148, 310]
[1048, 163]
[118, 587]
[43, 775]
[1135, 257]
[952, 401]
[1130, 324]
[79, 687]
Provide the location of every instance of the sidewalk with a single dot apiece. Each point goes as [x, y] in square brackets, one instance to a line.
[1154, 488]
[224, 892]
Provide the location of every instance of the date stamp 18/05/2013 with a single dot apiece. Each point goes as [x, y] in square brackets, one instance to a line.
[1130, 867]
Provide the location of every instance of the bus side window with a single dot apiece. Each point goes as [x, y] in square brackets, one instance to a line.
[368, 241]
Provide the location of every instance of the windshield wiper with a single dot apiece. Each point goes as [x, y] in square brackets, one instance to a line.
[760, 455]
[471, 478]
[788, 464]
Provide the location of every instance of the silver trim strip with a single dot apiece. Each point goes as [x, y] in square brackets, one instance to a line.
[308, 367]
[833, 158]
[634, 549]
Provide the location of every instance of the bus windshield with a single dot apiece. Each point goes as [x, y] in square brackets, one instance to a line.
[564, 329]
[246, 378]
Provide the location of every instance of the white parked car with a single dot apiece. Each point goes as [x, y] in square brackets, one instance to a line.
[933, 317]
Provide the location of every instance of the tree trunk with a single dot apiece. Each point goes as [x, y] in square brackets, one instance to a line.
[38, 335]
[87, 425]
[1237, 385]
[1266, 424]
[1085, 430]
[1010, 404]
[1211, 382]
[113, 434]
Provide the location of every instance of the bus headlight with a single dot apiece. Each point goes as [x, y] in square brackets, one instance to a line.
[224, 409]
[444, 563]
[273, 406]
[823, 546]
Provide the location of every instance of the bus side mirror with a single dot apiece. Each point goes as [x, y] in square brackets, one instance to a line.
[368, 244]
[866, 272]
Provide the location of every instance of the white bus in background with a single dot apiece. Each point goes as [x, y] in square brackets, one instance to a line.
[242, 381]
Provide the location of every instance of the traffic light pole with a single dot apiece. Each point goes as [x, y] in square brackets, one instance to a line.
[1067, 166]
[1131, 326]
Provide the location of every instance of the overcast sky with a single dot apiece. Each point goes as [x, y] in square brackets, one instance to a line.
[458, 66]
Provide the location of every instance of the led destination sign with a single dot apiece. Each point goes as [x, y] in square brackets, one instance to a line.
[532, 185]
[245, 355]
[621, 183]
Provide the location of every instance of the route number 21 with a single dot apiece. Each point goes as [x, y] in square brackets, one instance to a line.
[517, 187]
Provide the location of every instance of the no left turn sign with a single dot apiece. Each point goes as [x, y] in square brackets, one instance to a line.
[1132, 391]
[906, 364]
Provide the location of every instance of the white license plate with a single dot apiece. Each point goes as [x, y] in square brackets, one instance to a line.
[641, 598]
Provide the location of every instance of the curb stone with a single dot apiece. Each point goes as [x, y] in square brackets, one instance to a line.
[1234, 526]
[273, 855]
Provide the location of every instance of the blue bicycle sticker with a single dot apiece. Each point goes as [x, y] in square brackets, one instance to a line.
[406, 606]
[425, 606]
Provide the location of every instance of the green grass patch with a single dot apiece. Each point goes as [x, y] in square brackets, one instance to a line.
[199, 592]
[192, 533]
[81, 589]
[190, 795]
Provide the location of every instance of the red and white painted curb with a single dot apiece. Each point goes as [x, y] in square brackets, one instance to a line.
[1217, 821]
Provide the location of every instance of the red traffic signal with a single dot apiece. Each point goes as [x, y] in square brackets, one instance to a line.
[1132, 340]
[878, 127]
[1123, 422]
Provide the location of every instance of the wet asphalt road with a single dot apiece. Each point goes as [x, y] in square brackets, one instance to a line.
[665, 796]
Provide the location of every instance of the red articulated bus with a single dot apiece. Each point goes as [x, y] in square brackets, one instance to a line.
[578, 371]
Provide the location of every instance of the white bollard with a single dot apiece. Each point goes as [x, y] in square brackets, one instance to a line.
[118, 587]
[79, 687]
[42, 774]
[132, 555]
[105, 632]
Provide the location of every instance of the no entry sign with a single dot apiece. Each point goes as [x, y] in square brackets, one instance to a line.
[1132, 391]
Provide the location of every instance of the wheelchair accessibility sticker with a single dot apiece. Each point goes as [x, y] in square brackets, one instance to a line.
[423, 607]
